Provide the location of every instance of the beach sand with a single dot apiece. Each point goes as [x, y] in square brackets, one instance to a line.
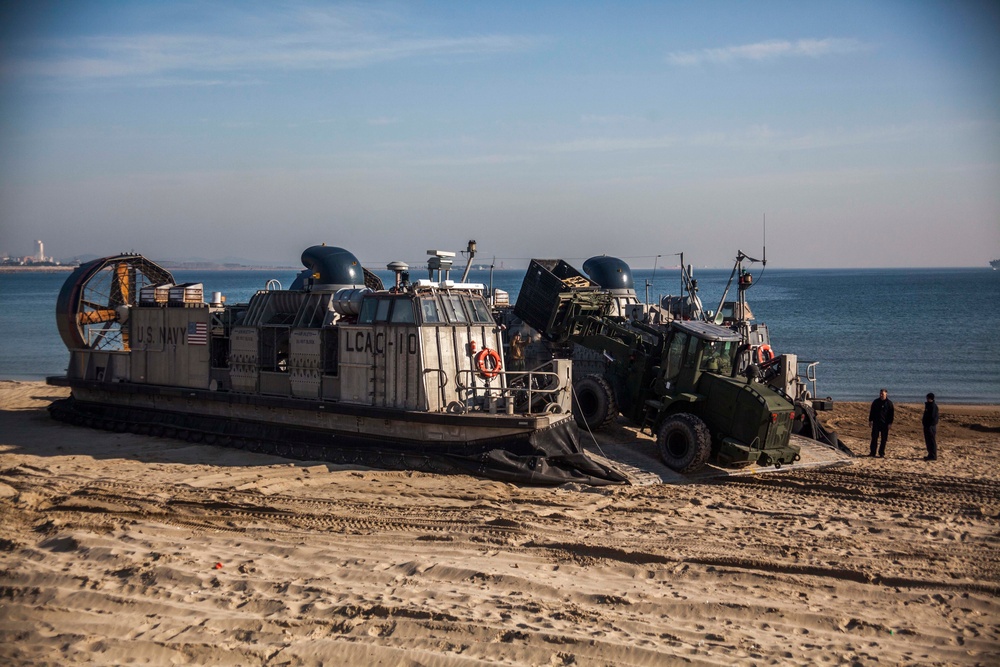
[125, 549]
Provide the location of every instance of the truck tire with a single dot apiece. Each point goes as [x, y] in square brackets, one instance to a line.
[684, 441]
[594, 404]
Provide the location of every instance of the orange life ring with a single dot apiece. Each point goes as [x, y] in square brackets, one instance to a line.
[764, 354]
[488, 362]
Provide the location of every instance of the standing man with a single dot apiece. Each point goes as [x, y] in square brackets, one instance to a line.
[880, 419]
[930, 420]
[517, 345]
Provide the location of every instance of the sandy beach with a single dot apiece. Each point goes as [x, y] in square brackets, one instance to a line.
[126, 549]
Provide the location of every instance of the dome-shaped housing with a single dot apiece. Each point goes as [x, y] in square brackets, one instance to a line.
[334, 266]
[609, 272]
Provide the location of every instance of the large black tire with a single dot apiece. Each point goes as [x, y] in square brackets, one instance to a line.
[594, 404]
[684, 441]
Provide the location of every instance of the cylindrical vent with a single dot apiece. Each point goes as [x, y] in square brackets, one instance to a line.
[217, 298]
[347, 301]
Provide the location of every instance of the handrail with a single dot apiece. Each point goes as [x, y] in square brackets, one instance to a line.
[505, 391]
[442, 382]
[811, 375]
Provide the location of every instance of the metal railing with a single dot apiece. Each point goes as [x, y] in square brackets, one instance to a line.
[521, 392]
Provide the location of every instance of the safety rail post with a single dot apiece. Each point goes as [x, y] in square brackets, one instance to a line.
[811, 375]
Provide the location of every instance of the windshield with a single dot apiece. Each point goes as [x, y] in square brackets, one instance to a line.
[719, 357]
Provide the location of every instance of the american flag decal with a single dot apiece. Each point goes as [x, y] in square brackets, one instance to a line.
[197, 333]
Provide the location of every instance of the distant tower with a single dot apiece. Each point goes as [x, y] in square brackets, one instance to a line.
[41, 251]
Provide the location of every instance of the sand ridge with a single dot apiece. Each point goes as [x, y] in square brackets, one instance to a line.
[119, 548]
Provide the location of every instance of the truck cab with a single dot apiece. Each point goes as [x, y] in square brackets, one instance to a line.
[693, 348]
[748, 422]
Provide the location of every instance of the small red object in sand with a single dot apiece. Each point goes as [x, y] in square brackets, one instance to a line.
[218, 566]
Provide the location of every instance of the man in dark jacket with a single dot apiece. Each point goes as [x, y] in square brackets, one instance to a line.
[930, 420]
[880, 419]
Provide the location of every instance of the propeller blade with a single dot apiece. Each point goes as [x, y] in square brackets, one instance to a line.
[123, 283]
[98, 316]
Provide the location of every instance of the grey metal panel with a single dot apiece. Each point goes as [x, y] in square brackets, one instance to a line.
[410, 372]
[142, 323]
[138, 370]
[166, 350]
[330, 388]
[398, 376]
[356, 367]
[120, 363]
[305, 362]
[435, 379]
[448, 360]
[78, 360]
[451, 363]
[106, 366]
[97, 363]
[275, 384]
[243, 361]
[411, 368]
[380, 370]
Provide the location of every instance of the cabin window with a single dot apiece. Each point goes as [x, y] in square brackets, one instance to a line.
[719, 356]
[674, 353]
[480, 312]
[382, 311]
[692, 352]
[402, 312]
[367, 315]
[453, 309]
[429, 310]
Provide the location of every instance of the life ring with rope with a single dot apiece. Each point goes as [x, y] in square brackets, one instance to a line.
[765, 355]
[488, 363]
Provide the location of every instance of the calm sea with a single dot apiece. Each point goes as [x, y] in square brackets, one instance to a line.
[910, 330]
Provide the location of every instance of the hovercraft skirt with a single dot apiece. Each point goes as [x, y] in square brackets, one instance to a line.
[502, 447]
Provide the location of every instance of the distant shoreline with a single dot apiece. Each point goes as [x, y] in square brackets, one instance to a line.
[35, 269]
[61, 268]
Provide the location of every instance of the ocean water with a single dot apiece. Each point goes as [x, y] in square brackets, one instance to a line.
[909, 330]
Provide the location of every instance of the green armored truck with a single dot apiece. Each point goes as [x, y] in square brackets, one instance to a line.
[680, 380]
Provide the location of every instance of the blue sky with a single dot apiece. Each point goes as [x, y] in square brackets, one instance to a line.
[867, 133]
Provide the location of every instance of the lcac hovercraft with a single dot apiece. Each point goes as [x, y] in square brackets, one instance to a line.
[337, 368]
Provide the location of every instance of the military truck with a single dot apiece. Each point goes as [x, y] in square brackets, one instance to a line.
[678, 380]
[782, 372]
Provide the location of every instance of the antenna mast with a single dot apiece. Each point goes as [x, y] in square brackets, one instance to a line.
[764, 247]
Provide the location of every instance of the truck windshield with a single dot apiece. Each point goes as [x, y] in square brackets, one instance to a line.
[719, 356]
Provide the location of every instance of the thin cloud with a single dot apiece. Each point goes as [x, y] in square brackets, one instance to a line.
[769, 50]
[614, 119]
[291, 45]
[116, 57]
[472, 160]
[753, 138]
